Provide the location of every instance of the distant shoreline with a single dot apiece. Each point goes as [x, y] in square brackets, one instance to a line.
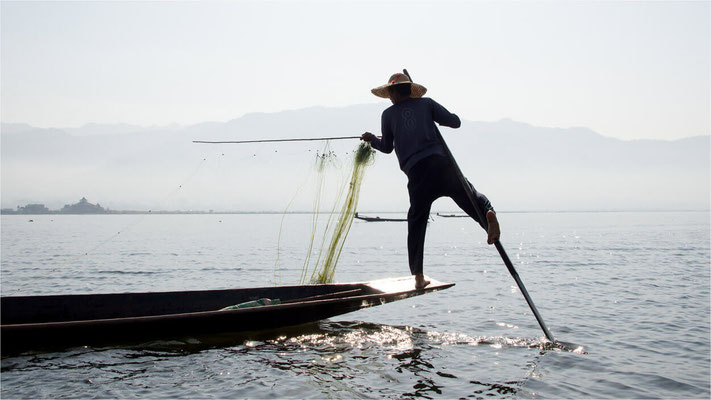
[178, 212]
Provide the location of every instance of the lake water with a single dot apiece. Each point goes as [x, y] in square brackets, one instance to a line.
[628, 294]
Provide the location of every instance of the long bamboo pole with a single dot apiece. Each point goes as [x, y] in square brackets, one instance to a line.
[470, 191]
[276, 140]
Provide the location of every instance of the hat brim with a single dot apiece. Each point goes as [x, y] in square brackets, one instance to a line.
[416, 90]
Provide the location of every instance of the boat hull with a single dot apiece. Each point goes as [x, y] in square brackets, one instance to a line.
[32, 322]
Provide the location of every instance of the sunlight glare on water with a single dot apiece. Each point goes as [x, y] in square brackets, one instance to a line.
[626, 295]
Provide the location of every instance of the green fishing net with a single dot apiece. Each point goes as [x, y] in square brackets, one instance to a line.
[339, 222]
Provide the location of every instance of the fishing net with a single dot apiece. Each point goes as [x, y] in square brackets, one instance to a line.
[326, 158]
[339, 223]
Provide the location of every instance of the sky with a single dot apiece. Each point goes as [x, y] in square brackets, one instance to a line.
[628, 70]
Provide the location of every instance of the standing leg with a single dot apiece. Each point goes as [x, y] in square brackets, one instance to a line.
[417, 218]
[422, 187]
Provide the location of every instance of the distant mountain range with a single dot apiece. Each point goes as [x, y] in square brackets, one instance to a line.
[518, 166]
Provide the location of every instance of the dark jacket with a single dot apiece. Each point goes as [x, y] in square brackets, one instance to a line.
[408, 127]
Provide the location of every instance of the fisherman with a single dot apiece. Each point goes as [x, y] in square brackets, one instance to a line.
[408, 127]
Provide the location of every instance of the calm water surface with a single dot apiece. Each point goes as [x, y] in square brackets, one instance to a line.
[628, 294]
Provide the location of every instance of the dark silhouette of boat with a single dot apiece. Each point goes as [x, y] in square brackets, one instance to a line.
[37, 322]
[378, 219]
[452, 215]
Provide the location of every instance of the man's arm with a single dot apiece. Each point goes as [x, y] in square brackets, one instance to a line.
[444, 117]
[384, 144]
[376, 142]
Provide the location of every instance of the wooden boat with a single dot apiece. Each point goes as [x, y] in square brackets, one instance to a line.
[30, 322]
[378, 219]
[452, 215]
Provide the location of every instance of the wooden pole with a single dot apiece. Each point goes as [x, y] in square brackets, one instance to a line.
[276, 140]
[470, 191]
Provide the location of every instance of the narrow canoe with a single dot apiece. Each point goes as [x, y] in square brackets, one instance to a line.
[29, 322]
[378, 219]
[452, 215]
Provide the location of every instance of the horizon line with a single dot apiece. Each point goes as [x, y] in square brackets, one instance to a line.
[4, 211]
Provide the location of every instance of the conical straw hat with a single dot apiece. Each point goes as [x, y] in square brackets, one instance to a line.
[417, 90]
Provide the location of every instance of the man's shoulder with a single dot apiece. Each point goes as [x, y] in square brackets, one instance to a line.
[423, 102]
[416, 101]
[389, 110]
[412, 102]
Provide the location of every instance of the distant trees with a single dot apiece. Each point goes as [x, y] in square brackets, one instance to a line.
[82, 207]
[33, 209]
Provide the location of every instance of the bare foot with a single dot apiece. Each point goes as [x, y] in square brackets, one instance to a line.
[420, 282]
[494, 231]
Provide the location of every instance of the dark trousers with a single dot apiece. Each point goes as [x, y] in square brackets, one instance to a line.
[428, 180]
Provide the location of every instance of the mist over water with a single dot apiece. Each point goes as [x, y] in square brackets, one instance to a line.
[628, 294]
[520, 167]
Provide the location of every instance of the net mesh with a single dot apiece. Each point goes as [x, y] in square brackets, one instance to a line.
[335, 232]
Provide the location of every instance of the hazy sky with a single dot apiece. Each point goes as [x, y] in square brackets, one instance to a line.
[624, 69]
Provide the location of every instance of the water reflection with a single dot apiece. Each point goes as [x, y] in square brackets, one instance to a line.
[338, 354]
[338, 359]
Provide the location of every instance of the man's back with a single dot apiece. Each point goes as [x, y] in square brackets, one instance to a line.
[408, 127]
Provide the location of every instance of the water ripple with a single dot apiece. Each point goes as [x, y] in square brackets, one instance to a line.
[627, 295]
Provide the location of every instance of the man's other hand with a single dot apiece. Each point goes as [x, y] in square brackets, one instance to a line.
[368, 137]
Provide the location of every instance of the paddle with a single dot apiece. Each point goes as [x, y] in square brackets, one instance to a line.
[470, 191]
